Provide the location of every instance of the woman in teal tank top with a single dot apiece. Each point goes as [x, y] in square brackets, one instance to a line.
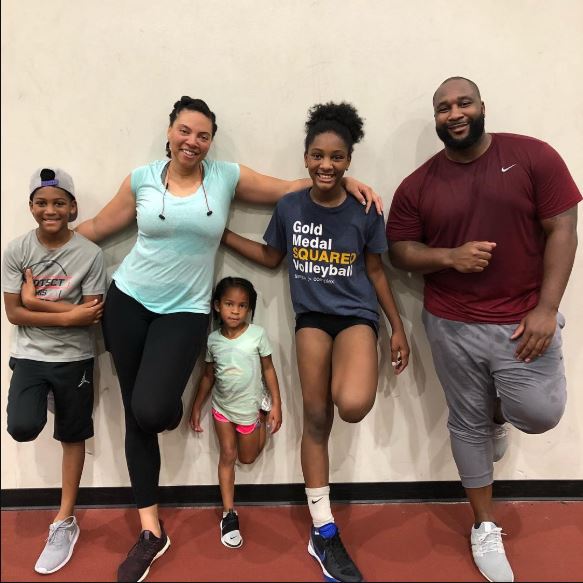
[156, 312]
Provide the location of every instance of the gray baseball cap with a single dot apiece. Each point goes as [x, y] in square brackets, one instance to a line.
[56, 177]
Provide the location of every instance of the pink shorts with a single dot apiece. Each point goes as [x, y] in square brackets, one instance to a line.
[244, 429]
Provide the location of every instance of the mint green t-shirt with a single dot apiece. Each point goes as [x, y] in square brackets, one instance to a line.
[170, 268]
[237, 391]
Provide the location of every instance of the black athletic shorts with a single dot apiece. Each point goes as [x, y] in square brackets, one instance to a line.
[72, 386]
[332, 324]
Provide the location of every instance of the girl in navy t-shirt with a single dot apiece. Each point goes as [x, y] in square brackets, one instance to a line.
[336, 281]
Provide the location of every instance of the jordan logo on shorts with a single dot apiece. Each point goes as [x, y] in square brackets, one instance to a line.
[83, 380]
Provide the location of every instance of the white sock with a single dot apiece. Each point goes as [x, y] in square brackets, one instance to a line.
[319, 505]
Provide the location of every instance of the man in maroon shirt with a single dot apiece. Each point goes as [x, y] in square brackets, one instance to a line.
[491, 223]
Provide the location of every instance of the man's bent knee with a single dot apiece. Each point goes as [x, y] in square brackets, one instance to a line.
[535, 422]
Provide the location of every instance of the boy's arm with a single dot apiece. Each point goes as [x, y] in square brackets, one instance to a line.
[36, 304]
[272, 384]
[79, 315]
[207, 380]
[378, 278]
[258, 252]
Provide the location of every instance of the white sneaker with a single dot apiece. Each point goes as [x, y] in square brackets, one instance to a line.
[488, 552]
[499, 441]
[60, 544]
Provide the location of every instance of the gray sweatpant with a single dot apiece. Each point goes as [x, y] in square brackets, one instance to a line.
[475, 363]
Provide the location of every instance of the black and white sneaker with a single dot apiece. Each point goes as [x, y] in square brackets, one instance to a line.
[327, 548]
[230, 535]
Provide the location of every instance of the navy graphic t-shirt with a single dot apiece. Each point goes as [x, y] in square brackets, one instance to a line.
[325, 252]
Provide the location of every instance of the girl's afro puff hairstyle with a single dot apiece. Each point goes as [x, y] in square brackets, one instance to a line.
[340, 118]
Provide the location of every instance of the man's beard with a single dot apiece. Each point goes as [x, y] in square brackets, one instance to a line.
[475, 133]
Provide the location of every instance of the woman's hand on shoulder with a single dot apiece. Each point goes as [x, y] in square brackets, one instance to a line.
[363, 194]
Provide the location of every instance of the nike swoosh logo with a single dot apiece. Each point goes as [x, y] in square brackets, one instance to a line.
[318, 500]
[506, 169]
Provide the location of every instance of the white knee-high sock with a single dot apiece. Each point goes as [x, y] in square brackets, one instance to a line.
[319, 505]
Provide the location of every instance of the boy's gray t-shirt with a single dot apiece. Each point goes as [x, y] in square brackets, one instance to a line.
[65, 274]
[325, 250]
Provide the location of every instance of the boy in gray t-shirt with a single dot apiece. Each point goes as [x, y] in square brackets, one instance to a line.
[53, 281]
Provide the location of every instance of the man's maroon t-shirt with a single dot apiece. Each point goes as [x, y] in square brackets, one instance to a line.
[500, 197]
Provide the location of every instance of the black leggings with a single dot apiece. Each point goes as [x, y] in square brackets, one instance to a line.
[154, 355]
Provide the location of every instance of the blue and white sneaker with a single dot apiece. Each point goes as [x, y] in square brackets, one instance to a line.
[327, 548]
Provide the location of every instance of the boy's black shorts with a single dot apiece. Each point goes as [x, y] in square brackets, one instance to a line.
[72, 386]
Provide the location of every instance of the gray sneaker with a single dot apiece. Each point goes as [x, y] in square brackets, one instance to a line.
[499, 441]
[60, 544]
[488, 552]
